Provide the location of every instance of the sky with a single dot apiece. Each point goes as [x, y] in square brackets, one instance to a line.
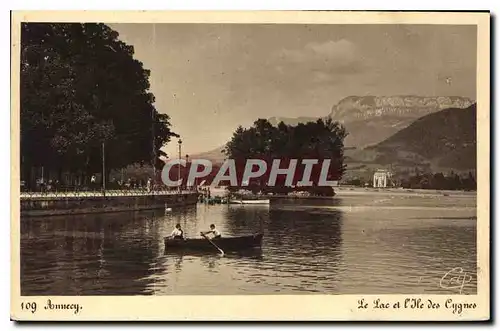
[210, 78]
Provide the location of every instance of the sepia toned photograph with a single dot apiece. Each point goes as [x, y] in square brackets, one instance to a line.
[174, 159]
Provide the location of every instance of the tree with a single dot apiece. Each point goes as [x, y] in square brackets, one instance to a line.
[470, 182]
[80, 88]
[323, 139]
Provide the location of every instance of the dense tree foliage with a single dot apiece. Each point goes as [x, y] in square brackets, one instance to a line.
[81, 87]
[323, 139]
[440, 181]
[425, 180]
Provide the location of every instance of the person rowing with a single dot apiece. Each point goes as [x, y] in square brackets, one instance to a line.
[213, 232]
[177, 233]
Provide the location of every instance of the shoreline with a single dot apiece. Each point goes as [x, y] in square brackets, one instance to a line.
[95, 202]
[340, 191]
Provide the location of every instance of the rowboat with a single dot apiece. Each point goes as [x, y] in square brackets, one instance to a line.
[250, 202]
[227, 244]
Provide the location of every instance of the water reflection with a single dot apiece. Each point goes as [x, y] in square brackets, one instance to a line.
[345, 246]
[456, 249]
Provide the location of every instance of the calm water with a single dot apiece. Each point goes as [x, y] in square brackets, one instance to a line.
[371, 244]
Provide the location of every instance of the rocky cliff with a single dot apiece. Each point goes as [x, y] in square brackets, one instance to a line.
[371, 119]
[355, 108]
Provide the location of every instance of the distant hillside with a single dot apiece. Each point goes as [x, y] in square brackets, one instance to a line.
[214, 155]
[443, 140]
[291, 121]
[371, 119]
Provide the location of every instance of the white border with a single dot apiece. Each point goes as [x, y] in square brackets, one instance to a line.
[116, 4]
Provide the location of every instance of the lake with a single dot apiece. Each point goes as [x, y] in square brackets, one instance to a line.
[353, 244]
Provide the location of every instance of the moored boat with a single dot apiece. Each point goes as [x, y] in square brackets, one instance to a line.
[227, 244]
[250, 202]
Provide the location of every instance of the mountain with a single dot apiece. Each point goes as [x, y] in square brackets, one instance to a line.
[291, 121]
[371, 119]
[442, 140]
[214, 155]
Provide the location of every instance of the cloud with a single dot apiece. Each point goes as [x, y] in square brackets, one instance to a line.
[325, 61]
[326, 51]
[332, 49]
[322, 77]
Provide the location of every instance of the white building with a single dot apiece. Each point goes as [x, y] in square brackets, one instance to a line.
[381, 178]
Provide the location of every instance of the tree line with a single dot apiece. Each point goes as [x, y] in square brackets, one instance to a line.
[84, 97]
[440, 181]
[426, 180]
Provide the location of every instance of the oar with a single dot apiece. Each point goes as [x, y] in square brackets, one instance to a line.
[210, 241]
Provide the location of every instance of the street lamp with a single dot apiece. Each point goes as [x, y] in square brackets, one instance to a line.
[179, 169]
[153, 151]
[103, 170]
[187, 160]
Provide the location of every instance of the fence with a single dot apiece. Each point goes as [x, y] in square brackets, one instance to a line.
[101, 193]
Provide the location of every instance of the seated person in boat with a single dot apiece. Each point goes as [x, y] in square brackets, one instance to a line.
[213, 231]
[177, 233]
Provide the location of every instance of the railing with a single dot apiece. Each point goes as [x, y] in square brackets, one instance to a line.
[101, 193]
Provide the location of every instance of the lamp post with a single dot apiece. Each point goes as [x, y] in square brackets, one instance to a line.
[153, 151]
[187, 160]
[179, 169]
[103, 170]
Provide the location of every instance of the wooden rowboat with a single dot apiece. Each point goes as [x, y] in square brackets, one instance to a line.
[227, 244]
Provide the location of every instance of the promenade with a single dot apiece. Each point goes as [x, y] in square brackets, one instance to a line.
[96, 194]
[83, 202]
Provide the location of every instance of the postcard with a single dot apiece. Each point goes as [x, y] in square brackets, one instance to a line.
[250, 166]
